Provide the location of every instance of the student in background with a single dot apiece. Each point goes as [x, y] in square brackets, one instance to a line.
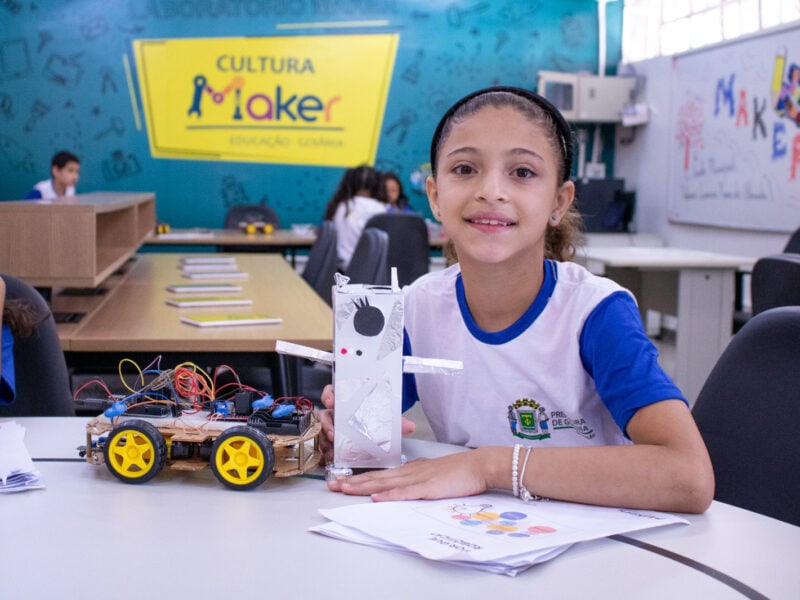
[534, 331]
[65, 169]
[359, 196]
[395, 196]
[18, 320]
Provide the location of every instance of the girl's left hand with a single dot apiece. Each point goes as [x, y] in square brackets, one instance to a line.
[450, 476]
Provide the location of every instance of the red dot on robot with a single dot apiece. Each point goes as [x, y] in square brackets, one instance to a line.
[344, 350]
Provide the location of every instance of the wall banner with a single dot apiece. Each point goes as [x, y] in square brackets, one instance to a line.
[303, 100]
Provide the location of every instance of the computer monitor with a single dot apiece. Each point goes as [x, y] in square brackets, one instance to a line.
[604, 204]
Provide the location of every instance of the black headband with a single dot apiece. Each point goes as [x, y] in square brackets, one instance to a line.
[562, 128]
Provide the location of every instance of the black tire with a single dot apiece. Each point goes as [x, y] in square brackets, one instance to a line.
[135, 451]
[242, 458]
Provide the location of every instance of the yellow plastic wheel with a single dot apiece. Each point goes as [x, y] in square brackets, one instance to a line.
[242, 458]
[135, 451]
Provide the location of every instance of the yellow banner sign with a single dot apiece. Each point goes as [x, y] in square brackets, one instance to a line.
[305, 100]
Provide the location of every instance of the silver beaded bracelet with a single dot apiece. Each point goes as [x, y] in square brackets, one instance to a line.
[524, 493]
[514, 472]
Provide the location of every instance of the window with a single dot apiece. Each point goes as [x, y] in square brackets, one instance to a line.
[663, 27]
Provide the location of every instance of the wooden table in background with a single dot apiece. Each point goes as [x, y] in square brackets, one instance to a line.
[133, 320]
[284, 240]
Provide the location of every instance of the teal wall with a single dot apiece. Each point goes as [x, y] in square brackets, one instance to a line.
[63, 86]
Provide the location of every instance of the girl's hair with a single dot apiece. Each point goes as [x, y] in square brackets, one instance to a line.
[353, 181]
[21, 317]
[402, 199]
[561, 239]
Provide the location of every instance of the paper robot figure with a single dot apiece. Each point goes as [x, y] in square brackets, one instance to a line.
[368, 366]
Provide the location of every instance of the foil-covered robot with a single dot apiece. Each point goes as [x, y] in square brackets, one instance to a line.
[368, 366]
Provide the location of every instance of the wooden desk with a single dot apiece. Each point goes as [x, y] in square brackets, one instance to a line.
[73, 240]
[89, 533]
[133, 318]
[285, 240]
[698, 287]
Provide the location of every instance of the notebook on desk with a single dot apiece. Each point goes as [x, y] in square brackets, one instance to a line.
[208, 301]
[204, 288]
[222, 320]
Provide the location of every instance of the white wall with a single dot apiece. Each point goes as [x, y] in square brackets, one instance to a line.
[644, 164]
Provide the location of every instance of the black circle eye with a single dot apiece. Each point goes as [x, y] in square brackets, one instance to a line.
[368, 320]
[359, 353]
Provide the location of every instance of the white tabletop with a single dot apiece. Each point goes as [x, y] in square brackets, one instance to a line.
[663, 257]
[183, 535]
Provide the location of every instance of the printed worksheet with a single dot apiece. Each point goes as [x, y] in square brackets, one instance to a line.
[494, 531]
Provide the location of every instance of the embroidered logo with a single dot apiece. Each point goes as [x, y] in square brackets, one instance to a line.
[530, 420]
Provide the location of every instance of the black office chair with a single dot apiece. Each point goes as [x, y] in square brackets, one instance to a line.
[746, 413]
[775, 281]
[793, 245]
[42, 379]
[240, 215]
[409, 248]
[322, 261]
[370, 261]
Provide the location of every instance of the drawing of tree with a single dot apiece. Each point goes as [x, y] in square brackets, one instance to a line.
[690, 127]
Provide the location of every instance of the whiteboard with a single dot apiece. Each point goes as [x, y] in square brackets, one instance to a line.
[735, 134]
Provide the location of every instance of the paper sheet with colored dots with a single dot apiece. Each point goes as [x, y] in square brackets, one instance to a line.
[495, 532]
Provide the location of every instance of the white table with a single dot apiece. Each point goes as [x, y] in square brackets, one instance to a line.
[697, 287]
[183, 535]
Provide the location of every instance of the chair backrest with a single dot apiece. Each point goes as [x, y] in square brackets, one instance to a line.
[775, 281]
[370, 261]
[746, 413]
[793, 245]
[409, 249]
[250, 213]
[42, 379]
[322, 260]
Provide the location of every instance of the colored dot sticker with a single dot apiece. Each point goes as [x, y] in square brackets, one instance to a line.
[503, 528]
[343, 350]
[486, 516]
[541, 529]
[471, 522]
[513, 516]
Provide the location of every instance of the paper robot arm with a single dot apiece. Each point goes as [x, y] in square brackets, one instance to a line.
[411, 364]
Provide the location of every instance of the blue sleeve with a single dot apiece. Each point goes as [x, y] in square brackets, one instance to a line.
[410, 395]
[34, 194]
[623, 362]
[7, 380]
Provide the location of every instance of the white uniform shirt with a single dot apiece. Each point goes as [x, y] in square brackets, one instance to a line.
[45, 188]
[350, 218]
[530, 382]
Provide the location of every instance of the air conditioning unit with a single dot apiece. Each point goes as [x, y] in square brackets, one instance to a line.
[584, 98]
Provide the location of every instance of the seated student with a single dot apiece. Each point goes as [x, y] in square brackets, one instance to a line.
[561, 395]
[18, 320]
[359, 196]
[395, 196]
[65, 168]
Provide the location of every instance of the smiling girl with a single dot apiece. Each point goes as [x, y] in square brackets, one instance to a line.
[561, 394]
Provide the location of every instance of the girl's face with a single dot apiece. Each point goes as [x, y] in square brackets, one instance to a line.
[392, 191]
[497, 188]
